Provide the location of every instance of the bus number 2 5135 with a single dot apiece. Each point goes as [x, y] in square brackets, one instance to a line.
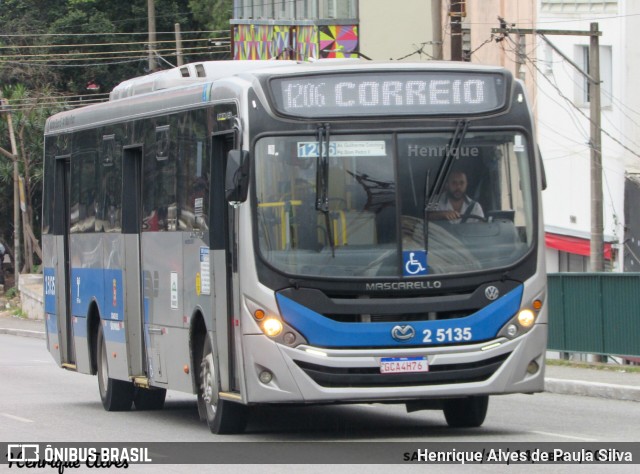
[447, 335]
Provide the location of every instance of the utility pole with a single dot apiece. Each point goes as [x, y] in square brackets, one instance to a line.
[151, 12]
[521, 56]
[456, 13]
[595, 110]
[179, 60]
[17, 234]
[436, 26]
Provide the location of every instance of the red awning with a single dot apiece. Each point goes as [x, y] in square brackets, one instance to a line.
[574, 245]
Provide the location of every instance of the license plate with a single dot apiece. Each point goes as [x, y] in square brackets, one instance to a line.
[403, 365]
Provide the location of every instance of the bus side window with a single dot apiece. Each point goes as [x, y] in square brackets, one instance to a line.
[108, 206]
[192, 173]
[159, 187]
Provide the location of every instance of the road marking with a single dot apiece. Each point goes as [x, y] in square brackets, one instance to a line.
[579, 438]
[17, 418]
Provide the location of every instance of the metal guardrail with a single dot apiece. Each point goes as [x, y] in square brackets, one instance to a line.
[595, 313]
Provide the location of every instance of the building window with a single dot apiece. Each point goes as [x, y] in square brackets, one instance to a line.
[338, 9]
[583, 88]
[571, 262]
[284, 10]
[579, 6]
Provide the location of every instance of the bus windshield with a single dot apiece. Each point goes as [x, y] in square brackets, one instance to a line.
[387, 215]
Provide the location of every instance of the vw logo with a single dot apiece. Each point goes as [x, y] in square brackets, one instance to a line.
[491, 292]
[403, 333]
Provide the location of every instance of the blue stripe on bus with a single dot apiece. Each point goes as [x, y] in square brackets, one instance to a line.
[87, 285]
[324, 332]
[51, 324]
[114, 331]
[49, 283]
[102, 285]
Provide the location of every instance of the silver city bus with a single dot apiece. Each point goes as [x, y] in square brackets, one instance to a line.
[272, 232]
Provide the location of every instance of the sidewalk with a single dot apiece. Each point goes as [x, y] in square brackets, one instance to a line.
[612, 382]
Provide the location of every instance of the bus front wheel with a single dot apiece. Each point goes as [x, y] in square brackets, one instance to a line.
[116, 395]
[223, 416]
[468, 412]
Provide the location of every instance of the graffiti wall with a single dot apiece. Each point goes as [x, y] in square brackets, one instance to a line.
[338, 41]
[294, 42]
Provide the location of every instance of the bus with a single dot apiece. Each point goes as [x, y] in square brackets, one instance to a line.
[280, 232]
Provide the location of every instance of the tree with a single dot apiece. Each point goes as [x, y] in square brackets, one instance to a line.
[29, 111]
[40, 44]
[212, 15]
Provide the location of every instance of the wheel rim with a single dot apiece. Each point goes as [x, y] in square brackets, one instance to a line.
[209, 393]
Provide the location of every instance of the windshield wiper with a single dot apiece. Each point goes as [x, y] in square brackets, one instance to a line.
[453, 151]
[322, 181]
[430, 195]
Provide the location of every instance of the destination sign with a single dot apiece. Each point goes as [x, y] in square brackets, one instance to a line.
[397, 93]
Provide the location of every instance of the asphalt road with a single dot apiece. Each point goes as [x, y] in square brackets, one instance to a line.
[41, 403]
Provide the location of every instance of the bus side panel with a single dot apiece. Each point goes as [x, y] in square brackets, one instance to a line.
[53, 285]
[164, 307]
[122, 257]
[88, 291]
[198, 286]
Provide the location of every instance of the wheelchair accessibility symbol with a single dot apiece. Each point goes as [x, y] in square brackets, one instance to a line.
[415, 262]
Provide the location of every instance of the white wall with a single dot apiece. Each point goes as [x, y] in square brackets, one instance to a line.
[563, 131]
[391, 30]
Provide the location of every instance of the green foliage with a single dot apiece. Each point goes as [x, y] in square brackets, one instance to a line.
[11, 293]
[36, 82]
[212, 15]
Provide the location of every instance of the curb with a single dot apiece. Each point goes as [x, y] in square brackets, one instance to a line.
[592, 389]
[23, 333]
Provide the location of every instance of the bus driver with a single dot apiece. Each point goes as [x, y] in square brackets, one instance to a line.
[454, 204]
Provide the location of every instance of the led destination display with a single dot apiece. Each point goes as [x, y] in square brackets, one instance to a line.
[406, 93]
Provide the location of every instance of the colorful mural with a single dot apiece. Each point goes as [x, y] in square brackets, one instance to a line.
[306, 43]
[294, 42]
[338, 41]
[260, 41]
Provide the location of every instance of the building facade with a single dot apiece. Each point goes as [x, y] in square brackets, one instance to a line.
[564, 132]
[313, 29]
[296, 29]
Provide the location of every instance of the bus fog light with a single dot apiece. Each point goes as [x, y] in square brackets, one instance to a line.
[289, 338]
[272, 327]
[265, 376]
[526, 318]
[512, 330]
[533, 367]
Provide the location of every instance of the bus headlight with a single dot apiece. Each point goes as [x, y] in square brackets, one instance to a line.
[271, 327]
[526, 318]
[523, 320]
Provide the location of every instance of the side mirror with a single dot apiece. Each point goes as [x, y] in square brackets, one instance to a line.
[236, 183]
[543, 173]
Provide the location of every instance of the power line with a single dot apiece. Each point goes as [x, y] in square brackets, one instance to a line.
[109, 33]
[109, 44]
[53, 97]
[110, 63]
[570, 102]
[100, 53]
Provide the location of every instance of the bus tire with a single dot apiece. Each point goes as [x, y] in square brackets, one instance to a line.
[223, 416]
[149, 398]
[468, 412]
[116, 395]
